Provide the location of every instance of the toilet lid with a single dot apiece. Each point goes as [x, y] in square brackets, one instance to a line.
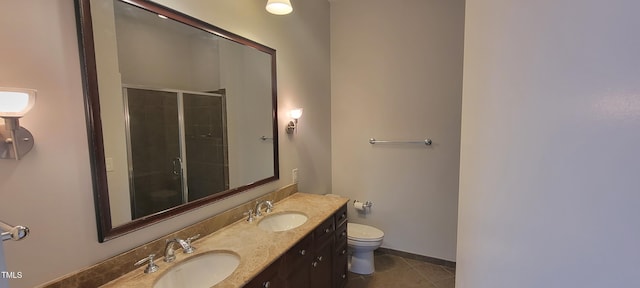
[363, 232]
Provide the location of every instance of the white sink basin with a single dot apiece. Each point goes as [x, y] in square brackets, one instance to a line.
[282, 221]
[204, 270]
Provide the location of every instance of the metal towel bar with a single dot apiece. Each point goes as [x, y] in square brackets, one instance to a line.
[13, 232]
[425, 141]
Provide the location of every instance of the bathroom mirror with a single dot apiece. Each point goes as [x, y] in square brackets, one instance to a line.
[180, 113]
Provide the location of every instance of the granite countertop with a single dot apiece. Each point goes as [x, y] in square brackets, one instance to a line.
[256, 247]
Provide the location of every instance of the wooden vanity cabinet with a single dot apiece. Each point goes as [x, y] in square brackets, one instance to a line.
[319, 260]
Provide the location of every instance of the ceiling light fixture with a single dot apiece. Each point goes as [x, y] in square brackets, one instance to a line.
[279, 7]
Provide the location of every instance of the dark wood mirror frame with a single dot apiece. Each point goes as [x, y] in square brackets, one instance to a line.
[106, 231]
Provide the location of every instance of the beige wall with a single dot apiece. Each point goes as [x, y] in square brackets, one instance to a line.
[550, 160]
[396, 73]
[50, 190]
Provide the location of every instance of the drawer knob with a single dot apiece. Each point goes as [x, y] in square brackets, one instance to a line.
[303, 252]
[319, 258]
[344, 251]
[344, 276]
[266, 284]
[314, 264]
[327, 230]
[344, 233]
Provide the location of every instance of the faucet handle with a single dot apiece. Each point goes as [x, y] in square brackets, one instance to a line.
[190, 248]
[151, 267]
[269, 206]
[250, 213]
[194, 237]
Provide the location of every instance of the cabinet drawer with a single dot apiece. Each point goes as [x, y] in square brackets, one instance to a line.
[325, 230]
[341, 216]
[341, 235]
[341, 251]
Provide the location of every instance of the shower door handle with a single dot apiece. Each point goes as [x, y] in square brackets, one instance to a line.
[177, 166]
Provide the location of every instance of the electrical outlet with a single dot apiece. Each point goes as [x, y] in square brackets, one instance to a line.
[294, 175]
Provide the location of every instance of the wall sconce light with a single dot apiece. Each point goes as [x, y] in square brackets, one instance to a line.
[15, 141]
[279, 7]
[295, 114]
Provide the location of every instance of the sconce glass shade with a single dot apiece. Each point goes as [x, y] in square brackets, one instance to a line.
[279, 7]
[15, 102]
[295, 113]
[15, 141]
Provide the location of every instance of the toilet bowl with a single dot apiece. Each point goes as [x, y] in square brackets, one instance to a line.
[362, 240]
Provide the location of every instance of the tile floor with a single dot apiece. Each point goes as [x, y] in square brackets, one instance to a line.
[397, 272]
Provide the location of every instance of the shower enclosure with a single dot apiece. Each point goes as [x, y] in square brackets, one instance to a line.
[177, 150]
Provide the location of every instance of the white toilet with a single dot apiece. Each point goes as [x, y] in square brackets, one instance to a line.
[362, 240]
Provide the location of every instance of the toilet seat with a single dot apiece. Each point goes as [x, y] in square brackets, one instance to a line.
[363, 233]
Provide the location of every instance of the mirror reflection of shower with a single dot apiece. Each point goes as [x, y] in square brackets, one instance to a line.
[177, 150]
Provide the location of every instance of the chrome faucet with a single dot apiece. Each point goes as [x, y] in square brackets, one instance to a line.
[259, 207]
[169, 252]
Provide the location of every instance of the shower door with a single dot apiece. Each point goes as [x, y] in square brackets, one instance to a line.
[176, 146]
[205, 143]
[155, 172]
